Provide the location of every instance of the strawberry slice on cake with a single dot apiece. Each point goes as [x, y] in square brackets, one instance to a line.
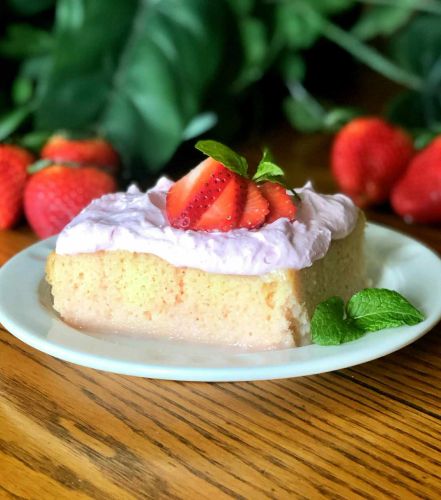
[218, 194]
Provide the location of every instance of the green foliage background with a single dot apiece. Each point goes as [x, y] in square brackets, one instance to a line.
[152, 74]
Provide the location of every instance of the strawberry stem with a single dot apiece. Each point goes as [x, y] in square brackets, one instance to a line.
[42, 164]
[39, 165]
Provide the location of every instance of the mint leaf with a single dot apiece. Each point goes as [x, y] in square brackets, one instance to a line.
[229, 158]
[267, 155]
[268, 171]
[353, 332]
[373, 309]
[369, 310]
[329, 326]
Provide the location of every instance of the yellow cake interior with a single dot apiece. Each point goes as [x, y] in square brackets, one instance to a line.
[140, 294]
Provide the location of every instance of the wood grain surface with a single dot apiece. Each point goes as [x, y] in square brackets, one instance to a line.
[372, 431]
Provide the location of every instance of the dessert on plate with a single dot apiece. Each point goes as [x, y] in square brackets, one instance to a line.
[215, 258]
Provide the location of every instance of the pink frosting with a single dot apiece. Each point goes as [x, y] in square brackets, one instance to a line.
[137, 222]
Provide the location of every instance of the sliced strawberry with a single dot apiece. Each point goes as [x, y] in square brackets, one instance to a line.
[225, 212]
[194, 194]
[255, 209]
[280, 203]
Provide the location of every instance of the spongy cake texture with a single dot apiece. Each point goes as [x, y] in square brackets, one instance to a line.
[141, 294]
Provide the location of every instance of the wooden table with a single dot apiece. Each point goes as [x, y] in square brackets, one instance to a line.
[372, 431]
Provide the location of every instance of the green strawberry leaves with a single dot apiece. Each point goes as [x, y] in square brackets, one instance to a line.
[369, 310]
[39, 165]
[45, 163]
[229, 158]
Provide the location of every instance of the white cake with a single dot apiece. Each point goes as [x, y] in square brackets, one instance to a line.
[119, 267]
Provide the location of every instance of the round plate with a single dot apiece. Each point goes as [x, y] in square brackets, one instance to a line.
[395, 261]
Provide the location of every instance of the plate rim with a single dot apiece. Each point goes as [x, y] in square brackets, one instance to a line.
[203, 373]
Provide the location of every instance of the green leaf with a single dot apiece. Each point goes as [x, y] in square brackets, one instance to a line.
[336, 118]
[199, 125]
[297, 24]
[329, 326]
[267, 155]
[383, 19]
[303, 111]
[373, 309]
[371, 57]
[418, 49]
[141, 83]
[407, 110]
[84, 60]
[12, 120]
[30, 7]
[24, 40]
[292, 67]
[369, 310]
[229, 158]
[255, 51]
[34, 140]
[332, 6]
[423, 138]
[243, 7]
[267, 170]
[22, 90]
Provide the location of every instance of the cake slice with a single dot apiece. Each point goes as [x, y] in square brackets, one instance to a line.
[141, 294]
[126, 265]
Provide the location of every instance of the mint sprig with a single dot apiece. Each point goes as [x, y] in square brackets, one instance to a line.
[229, 158]
[267, 170]
[369, 310]
[329, 325]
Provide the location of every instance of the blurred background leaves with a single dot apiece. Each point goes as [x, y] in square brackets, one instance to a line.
[152, 74]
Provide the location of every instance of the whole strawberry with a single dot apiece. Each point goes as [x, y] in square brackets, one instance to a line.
[56, 194]
[13, 174]
[417, 196]
[368, 157]
[94, 151]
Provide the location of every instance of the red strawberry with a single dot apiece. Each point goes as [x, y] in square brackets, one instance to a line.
[280, 203]
[13, 164]
[190, 197]
[17, 155]
[226, 210]
[417, 196]
[368, 157]
[56, 194]
[86, 152]
[256, 208]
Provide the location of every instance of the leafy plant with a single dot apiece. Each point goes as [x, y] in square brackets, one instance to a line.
[151, 75]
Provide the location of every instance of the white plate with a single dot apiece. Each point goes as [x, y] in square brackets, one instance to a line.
[395, 261]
